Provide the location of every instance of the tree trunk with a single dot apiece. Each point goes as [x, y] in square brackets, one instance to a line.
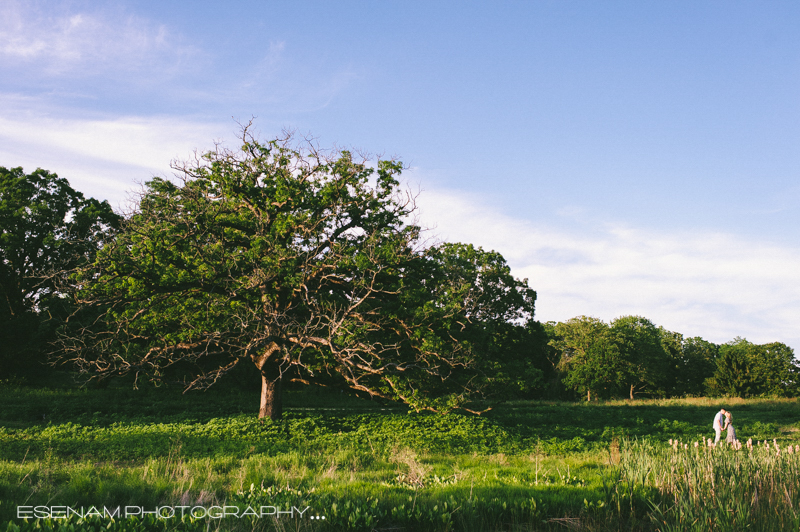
[271, 398]
[589, 396]
[631, 392]
[268, 364]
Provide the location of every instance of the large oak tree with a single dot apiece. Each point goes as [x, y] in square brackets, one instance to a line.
[298, 261]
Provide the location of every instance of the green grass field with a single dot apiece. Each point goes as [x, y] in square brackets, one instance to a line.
[367, 466]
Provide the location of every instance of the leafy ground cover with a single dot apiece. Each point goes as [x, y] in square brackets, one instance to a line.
[363, 465]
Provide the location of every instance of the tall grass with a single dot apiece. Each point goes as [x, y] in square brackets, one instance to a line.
[698, 487]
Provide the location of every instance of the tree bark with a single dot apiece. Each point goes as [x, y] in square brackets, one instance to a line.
[271, 398]
[268, 364]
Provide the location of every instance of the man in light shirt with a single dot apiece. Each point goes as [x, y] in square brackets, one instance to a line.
[719, 420]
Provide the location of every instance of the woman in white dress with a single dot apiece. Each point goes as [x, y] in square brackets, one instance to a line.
[731, 437]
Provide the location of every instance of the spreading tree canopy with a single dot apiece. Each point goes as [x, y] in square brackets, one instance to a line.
[300, 262]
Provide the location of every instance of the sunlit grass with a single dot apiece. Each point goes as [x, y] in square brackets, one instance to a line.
[526, 466]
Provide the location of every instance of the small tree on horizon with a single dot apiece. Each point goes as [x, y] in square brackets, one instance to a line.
[590, 357]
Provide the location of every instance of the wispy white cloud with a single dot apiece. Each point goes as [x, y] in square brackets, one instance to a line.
[268, 66]
[714, 285]
[104, 157]
[111, 57]
[58, 41]
[292, 83]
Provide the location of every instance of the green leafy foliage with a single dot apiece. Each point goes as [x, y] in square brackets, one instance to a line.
[690, 362]
[471, 297]
[301, 263]
[643, 358]
[590, 357]
[284, 257]
[632, 356]
[744, 369]
[47, 230]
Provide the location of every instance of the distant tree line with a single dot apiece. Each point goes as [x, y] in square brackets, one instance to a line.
[301, 266]
[631, 357]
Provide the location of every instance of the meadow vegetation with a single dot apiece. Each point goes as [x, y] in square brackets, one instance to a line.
[369, 465]
[279, 264]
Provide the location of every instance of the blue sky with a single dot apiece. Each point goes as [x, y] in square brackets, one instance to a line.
[626, 157]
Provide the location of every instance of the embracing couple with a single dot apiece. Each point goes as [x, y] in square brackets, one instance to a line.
[723, 421]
